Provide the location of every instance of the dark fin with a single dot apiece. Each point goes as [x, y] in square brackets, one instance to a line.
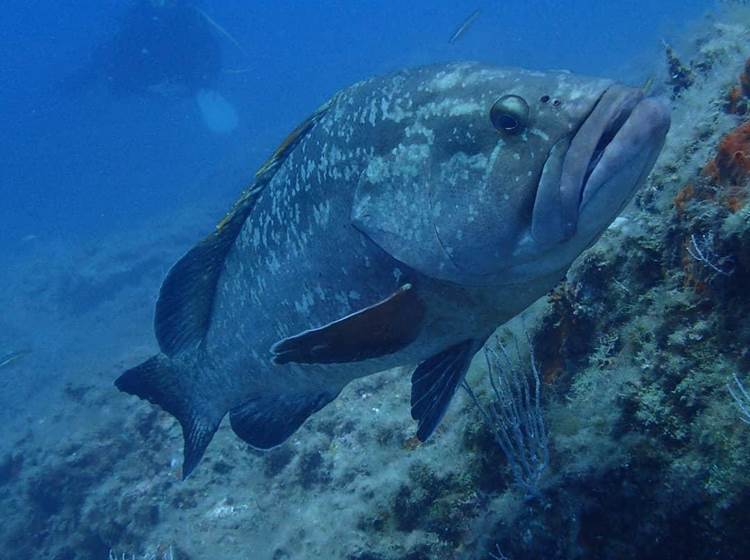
[434, 383]
[183, 310]
[267, 421]
[292, 139]
[159, 383]
[378, 330]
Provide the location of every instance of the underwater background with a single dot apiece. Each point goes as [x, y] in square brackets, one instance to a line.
[643, 351]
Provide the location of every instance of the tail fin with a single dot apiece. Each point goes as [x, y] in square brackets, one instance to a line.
[158, 381]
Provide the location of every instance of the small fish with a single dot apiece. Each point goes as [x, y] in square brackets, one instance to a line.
[648, 85]
[10, 357]
[237, 70]
[464, 27]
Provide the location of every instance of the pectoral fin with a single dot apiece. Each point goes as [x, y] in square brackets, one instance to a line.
[378, 330]
[434, 383]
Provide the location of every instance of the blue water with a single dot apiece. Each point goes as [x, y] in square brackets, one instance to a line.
[82, 163]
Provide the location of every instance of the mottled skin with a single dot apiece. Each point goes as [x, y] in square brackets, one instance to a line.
[405, 180]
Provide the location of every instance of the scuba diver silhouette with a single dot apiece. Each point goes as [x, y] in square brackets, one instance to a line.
[168, 49]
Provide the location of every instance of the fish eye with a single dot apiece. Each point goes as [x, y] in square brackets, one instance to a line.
[544, 99]
[510, 114]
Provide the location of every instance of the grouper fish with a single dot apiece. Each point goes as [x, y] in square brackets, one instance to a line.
[399, 225]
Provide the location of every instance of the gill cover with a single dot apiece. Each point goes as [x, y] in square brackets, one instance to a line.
[456, 219]
[392, 207]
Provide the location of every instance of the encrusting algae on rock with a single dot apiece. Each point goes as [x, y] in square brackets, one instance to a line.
[737, 98]
[730, 169]
[719, 191]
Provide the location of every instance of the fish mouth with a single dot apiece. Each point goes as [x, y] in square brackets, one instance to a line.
[624, 127]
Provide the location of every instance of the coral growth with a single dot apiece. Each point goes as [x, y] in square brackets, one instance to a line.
[737, 98]
[514, 415]
[731, 166]
[724, 179]
[702, 207]
[736, 101]
[680, 75]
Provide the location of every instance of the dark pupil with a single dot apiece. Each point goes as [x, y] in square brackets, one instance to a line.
[506, 122]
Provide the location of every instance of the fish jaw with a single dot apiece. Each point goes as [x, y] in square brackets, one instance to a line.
[621, 170]
[623, 127]
[639, 140]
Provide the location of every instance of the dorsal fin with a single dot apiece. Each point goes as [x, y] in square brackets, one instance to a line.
[183, 310]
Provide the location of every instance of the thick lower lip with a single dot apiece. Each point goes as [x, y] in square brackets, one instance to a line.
[589, 145]
[640, 134]
[607, 135]
[622, 128]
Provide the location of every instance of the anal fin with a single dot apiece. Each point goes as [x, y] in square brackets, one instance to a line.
[434, 383]
[268, 420]
[378, 330]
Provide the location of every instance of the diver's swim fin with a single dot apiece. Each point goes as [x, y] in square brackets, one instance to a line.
[378, 330]
[213, 23]
[434, 383]
[218, 114]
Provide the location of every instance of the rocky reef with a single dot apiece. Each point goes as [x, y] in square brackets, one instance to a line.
[647, 454]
